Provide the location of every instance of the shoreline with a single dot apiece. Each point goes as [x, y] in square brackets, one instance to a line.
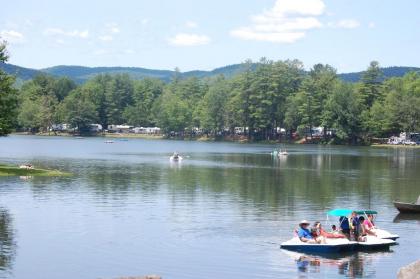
[201, 139]
[385, 145]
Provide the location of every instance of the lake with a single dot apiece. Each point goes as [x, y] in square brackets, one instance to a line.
[220, 213]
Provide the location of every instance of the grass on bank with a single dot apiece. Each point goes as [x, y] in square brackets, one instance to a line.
[7, 170]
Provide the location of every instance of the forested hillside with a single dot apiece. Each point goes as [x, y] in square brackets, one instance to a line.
[81, 74]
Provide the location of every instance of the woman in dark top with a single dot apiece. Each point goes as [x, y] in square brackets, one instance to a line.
[345, 226]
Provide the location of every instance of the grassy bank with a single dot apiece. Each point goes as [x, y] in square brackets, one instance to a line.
[7, 170]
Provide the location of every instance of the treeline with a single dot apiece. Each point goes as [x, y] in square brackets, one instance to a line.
[274, 94]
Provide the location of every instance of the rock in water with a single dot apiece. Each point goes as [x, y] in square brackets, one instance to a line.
[410, 271]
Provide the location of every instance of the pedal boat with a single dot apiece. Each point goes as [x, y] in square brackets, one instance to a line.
[332, 245]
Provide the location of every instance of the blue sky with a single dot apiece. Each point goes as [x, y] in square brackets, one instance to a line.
[206, 34]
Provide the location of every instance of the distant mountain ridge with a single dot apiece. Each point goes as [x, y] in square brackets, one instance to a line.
[81, 74]
[395, 71]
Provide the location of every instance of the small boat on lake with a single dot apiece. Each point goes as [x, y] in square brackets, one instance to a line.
[338, 245]
[380, 233]
[279, 152]
[109, 141]
[332, 245]
[27, 167]
[175, 157]
[404, 207]
[283, 153]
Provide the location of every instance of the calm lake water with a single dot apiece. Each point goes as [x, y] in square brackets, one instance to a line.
[220, 213]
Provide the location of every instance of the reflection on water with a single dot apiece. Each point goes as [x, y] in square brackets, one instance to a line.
[407, 217]
[7, 243]
[358, 265]
[222, 212]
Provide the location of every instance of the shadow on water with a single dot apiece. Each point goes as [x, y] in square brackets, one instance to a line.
[7, 243]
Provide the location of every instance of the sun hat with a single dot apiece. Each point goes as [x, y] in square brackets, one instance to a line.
[304, 222]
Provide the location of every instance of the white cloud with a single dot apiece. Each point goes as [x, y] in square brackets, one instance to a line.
[372, 24]
[129, 51]
[53, 31]
[348, 23]
[191, 24]
[344, 23]
[286, 22]
[275, 37]
[60, 32]
[184, 39]
[81, 34]
[100, 52]
[12, 36]
[112, 27]
[106, 38]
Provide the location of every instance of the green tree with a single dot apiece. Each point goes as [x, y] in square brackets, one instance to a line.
[402, 103]
[241, 99]
[293, 117]
[262, 99]
[97, 89]
[146, 91]
[211, 111]
[30, 115]
[343, 110]
[323, 79]
[62, 87]
[370, 88]
[118, 97]
[172, 113]
[79, 111]
[8, 97]
[286, 79]
[42, 91]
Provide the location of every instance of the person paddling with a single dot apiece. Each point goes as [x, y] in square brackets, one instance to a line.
[369, 226]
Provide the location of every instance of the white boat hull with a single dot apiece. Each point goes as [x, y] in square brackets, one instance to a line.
[375, 243]
[332, 245]
[383, 234]
[338, 245]
[175, 159]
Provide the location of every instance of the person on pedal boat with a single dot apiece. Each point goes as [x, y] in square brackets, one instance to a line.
[304, 233]
[355, 225]
[345, 226]
[369, 226]
[318, 231]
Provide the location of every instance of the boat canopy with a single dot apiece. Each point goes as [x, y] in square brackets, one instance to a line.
[347, 212]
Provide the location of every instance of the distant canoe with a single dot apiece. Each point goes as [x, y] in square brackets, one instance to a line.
[404, 207]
